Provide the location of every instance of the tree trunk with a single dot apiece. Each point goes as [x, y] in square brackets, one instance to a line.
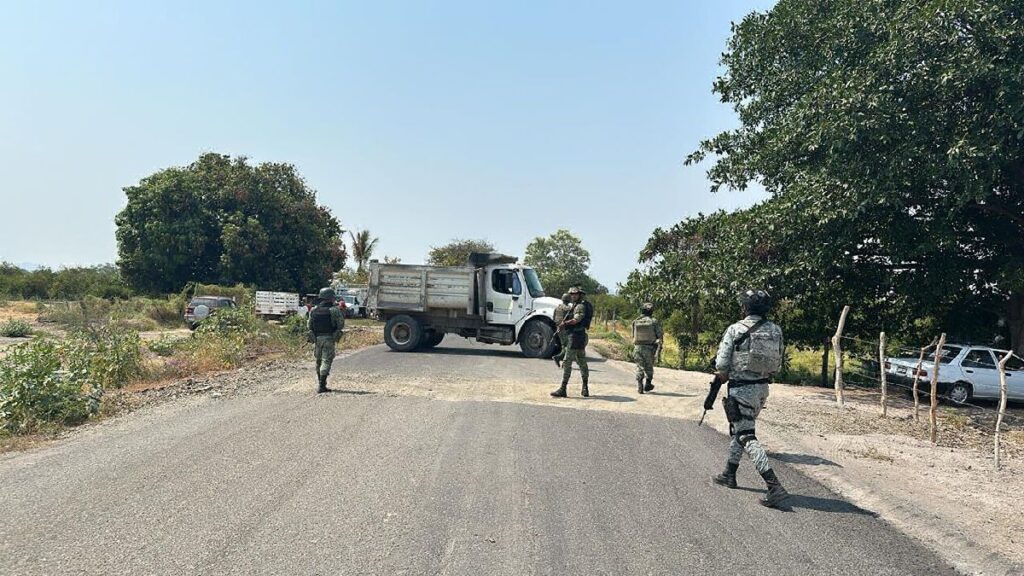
[1015, 321]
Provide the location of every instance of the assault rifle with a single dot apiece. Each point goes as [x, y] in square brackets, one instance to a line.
[709, 400]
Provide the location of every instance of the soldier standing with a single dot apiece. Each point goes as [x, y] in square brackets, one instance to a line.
[325, 323]
[749, 354]
[647, 338]
[577, 322]
[563, 338]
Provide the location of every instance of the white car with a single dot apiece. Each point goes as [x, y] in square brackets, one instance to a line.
[965, 372]
[354, 307]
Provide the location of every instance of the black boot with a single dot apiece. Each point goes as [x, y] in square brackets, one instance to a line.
[323, 385]
[557, 359]
[648, 387]
[639, 385]
[776, 493]
[560, 393]
[586, 391]
[728, 477]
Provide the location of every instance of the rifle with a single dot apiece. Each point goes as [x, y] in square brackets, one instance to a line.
[657, 354]
[709, 400]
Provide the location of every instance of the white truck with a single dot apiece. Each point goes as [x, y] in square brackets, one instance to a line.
[276, 304]
[491, 299]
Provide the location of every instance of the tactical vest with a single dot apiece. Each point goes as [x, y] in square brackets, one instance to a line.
[643, 330]
[320, 321]
[560, 312]
[588, 313]
[758, 350]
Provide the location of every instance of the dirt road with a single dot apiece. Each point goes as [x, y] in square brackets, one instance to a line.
[450, 462]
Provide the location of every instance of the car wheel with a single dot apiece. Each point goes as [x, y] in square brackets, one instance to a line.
[403, 333]
[959, 393]
[431, 338]
[537, 340]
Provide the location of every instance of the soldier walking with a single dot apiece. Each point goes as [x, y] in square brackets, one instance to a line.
[647, 339]
[325, 324]
[749, 354]
[577, 322]
[563, 337]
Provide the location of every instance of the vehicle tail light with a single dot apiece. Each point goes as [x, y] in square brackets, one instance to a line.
[922, 374]
[190, 310]
[888, 366]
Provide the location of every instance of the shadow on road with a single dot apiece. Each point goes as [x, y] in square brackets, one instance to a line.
[815, 503]
[333, 391]
[789, 458]
[672, 394]
[469, 352]
[612, 398]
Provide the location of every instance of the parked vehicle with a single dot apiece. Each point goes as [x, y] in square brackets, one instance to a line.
[200, 307]
[353, 306]
[491, 299]
[965, 372]
[276, 305]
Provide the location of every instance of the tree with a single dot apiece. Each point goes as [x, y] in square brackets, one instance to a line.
[221, 220]
[889, 136]
[456, 252]
[561, 262]
[363, 246]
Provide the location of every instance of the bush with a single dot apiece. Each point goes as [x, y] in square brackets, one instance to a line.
[166, 346]
[35, 390]
[15, 329]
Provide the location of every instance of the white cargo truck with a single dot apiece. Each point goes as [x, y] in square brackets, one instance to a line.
[491, 299]
[276, 304]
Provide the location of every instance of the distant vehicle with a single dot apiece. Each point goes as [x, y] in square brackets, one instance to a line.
[353, 307]
[491, 299]
[201, 307]
[965, 372]
[276, 305]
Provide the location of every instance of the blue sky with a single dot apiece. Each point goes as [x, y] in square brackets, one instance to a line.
[421, 121]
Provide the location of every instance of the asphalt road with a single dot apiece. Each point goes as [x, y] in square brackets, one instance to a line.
[372, 481]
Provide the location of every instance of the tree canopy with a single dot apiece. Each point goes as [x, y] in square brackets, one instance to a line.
[890, 138]
[456, 252]
[562, 262]
[222, 220]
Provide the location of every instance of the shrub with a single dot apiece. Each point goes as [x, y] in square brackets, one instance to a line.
[35, 389]
[15, 329]
[166, 346]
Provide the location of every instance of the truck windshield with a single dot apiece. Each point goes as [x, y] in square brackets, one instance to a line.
[533, 283]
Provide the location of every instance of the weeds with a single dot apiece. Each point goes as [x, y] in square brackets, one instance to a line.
[15, 329]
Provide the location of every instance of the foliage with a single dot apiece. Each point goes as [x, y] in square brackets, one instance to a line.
[363, 245]
[456, 252]
[613, 307]
[165, 345]
[562, 262]
[14, 328]
[888, 136]
[221, 220]
[65, 284]
[350, 277]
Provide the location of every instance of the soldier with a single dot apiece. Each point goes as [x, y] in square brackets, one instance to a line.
[325, 324]
[647, 338]
[749, 354]
[560, 312]
[577, 323]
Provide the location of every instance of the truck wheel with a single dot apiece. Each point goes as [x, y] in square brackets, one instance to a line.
[403, 333]
[537, 340]
[431, 338]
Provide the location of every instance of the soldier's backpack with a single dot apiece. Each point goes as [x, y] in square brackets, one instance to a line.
[320, 321]
[758, 350]
[643, 330]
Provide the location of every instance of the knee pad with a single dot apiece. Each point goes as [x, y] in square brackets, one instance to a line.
[746, 437]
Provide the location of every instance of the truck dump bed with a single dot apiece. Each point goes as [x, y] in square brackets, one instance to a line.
[420, 288]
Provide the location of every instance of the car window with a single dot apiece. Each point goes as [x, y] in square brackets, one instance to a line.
[1015, 363]
[978, 358]
[949, 353]
[506, 282]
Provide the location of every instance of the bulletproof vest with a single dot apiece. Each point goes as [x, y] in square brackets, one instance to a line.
[644, 332]
[560, 312]
[320, 320]
[588, 313]
[758, 350]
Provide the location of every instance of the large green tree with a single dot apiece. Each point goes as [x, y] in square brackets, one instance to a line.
[222, 220]
[456, 252]
[561, 262]
[890, 137]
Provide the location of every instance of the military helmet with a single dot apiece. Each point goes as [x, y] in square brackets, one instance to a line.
[326, 294]
[576, 290]
[755, 301]
[565, 297]
[647, 308]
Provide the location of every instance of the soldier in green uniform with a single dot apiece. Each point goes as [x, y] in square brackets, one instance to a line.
[563, 337]
[647, 338]
[576, 323]
[325, 323]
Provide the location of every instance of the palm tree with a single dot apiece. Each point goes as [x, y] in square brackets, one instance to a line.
[362, 247]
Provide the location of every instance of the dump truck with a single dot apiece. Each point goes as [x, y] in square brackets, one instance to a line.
[492, 299]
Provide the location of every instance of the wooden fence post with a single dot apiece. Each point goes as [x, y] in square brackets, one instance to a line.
[917, 379]
[837, 349]
[1002, 400]
[933, 411]
[881, 370]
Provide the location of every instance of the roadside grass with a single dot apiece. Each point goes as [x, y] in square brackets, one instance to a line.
[14, 328]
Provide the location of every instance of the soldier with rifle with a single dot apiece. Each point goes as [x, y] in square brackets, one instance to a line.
[563, 338]
[647, 339]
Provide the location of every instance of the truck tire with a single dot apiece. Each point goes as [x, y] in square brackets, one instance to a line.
[431, 338]
[537, 340]
[403, 333]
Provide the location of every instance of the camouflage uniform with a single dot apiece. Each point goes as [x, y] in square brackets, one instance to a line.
[748, 391]
[563, 337]
[324, 342]
[644, 354]
[576, 351]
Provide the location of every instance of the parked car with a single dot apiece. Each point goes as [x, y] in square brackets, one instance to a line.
[354, 307]
[965, 372]
[202, 306]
